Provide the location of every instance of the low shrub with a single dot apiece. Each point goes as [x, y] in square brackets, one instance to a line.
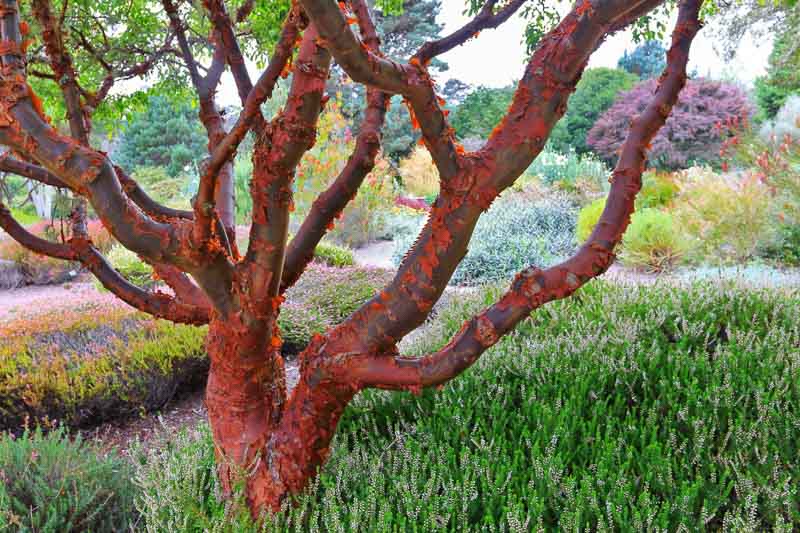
[653, 241]
[629, 408]
[587, 219]
[94, 364]
[337, 292]
[659, 189]
[515, 233]
[333, 255]
[161, 186]
[725, 218]
[553, 167]
[55, 483]
[784, 248]
[11, 275]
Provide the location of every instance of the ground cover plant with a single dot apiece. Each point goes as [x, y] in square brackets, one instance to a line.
[267, 441]
[644, 408]
[55, 483]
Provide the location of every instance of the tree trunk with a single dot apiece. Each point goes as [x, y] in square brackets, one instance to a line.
[268, 443]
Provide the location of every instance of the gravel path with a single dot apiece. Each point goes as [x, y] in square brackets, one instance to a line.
[376, 254]
[30, 301]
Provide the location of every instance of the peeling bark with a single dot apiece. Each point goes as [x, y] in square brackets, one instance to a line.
[271, 441]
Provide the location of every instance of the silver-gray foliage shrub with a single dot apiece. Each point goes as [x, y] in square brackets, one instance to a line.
[518, 231]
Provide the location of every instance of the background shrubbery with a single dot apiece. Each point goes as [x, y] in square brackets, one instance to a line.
[515, 233]
[694, 132]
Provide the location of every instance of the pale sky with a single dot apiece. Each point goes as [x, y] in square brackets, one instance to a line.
[497, 57]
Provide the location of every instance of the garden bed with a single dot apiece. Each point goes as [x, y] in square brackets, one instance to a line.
[91, 363]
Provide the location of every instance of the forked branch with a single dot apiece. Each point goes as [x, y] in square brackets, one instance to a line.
[533, 287]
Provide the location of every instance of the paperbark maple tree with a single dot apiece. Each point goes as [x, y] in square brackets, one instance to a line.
[278, 440]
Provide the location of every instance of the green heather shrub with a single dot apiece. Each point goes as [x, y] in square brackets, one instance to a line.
[178, 489]
[515, 233]
[54, 483]
[653, 241]
[625, 408]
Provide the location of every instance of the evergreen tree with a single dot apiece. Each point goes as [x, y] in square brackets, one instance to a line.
[646, 61]
[481, 111]
[783, 74]
[596, 92]
[166, 134]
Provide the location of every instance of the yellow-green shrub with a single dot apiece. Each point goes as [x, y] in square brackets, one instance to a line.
[659, 189]
[419, 174]
[588, 218]
[725, 218]
[653, 241]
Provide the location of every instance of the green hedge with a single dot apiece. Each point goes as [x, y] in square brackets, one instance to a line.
[99, 363]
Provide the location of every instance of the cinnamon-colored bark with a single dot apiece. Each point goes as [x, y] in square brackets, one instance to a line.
[273, 441]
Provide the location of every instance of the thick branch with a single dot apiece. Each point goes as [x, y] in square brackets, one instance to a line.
[226, 148]
[229, 42]
[30, 171]
[540, 100]
[61, 63]
[534, 287]
[332, 201]
[275, 159]
[185, 290]
[83, 170]
[411, 80]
